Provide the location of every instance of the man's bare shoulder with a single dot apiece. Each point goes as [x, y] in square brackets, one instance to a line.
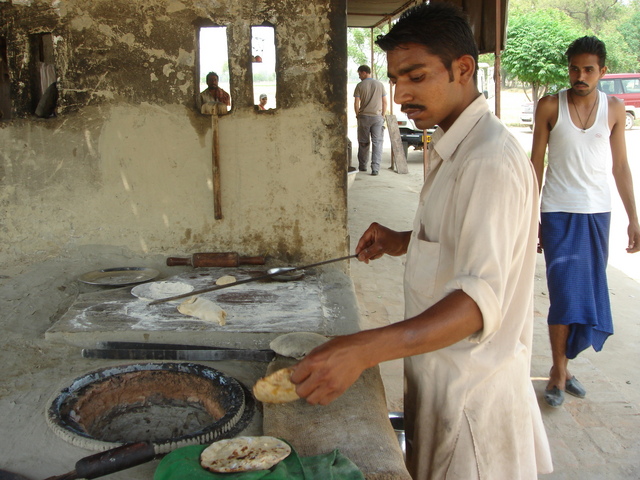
[547, 109]
[548, 101]
[615, 102]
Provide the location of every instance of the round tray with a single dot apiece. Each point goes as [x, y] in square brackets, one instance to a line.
[119, 276]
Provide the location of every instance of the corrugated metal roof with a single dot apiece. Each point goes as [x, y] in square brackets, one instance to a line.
[482, 14]
[373, 13]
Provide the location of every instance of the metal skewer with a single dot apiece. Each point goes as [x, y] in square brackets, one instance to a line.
[248, 280]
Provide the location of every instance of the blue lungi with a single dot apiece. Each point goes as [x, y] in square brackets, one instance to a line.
[576, 250]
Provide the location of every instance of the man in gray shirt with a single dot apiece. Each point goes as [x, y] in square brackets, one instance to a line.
[370, 105]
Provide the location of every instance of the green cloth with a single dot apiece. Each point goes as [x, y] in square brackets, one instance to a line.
[184, 464]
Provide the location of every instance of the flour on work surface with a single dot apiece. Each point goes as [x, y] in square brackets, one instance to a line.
[203, 309]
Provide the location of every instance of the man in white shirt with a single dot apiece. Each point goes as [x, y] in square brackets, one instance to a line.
[470, 408]
[584, 129]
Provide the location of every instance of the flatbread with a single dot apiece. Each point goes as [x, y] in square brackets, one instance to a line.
[296, 344]
[226, 280]
[203, 309]
[276, 388]
[244, 454]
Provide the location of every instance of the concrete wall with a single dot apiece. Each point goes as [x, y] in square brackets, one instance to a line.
[127, 160]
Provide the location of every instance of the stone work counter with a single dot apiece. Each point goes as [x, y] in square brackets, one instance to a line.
[322, 301]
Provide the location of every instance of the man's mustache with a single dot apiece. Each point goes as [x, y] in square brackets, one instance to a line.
[411, 106]
[580, 83]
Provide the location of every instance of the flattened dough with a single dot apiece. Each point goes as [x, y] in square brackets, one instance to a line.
[276, 388]
[203, 309]
[297, 344]
[227, 279]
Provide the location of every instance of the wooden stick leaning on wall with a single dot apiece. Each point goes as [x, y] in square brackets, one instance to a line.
[396, 144]
[217, 194]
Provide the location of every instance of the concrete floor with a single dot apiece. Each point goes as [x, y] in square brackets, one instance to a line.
[591, 439]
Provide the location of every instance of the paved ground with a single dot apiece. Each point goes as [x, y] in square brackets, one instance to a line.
[594, 438]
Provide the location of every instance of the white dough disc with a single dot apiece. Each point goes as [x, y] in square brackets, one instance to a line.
[296, 344]
[159, 290]
[226, 280]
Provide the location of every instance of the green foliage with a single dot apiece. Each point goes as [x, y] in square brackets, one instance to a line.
[536, 43]
[630, 31]
[620, 56]
[359, 50]
[616, 22]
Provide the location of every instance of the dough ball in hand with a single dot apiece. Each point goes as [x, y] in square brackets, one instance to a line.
[276, 388]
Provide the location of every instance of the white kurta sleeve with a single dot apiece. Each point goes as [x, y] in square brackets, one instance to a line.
[485, 231]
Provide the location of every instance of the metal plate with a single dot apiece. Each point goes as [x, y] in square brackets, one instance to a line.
[286, 277]
[119, 276]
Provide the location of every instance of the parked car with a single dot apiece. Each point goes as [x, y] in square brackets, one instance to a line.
[411, 136]
[625, 86]
[526, 114]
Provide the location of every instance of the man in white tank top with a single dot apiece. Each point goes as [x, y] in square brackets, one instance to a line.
[584, 130]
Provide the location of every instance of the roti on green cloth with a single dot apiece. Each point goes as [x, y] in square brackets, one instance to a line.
[184, 464]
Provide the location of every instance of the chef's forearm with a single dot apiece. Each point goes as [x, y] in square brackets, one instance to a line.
[449, 321]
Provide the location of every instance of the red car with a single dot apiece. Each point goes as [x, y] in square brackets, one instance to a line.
[625, 86]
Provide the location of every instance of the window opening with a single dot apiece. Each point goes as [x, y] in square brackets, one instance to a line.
[5, 85]
[263, 54]
[45, 90]
[214, 85]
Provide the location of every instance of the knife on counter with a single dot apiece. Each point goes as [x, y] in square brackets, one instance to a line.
[166, 351]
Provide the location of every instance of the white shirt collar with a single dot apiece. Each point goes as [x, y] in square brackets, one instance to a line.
[446, 143]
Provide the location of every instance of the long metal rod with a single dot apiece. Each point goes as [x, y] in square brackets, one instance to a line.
[248, 280]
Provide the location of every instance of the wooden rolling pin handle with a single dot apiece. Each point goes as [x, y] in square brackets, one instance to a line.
[225, 259]
[176, 261]
[251, 260]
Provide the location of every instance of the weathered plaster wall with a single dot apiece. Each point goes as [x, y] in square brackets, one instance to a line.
[127, 160]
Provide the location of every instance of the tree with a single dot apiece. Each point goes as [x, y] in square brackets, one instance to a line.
[536, 43]
[593, 14]
[630, 30]
[359, 50]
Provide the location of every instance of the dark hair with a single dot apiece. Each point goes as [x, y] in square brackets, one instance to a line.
[591, 45]
[364, 68]
[442, 28]
[212, 74]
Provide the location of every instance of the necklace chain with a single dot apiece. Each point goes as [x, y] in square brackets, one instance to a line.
[584, 124]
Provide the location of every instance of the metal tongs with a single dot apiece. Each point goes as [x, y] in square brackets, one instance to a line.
[284, 271]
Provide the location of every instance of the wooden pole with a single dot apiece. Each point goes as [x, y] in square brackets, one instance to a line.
[217, 194]
[393, 160]
[496, 64]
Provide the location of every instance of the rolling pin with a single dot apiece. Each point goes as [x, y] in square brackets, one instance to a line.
[210, 259]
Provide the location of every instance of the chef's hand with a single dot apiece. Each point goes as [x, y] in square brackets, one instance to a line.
[633, 230]
[378, 240]
[328, 370]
